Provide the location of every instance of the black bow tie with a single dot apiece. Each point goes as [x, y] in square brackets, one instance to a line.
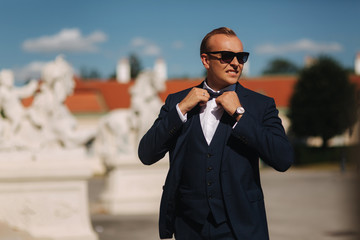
[214, 94]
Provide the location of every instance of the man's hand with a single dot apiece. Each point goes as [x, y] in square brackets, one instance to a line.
[230, 102]
[195, 96]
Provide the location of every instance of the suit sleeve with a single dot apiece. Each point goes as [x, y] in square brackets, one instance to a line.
[161, 136]
[267, 137]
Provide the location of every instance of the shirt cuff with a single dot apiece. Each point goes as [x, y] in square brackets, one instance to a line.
[182, 117]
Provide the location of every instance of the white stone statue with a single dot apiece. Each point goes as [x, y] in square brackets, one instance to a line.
[114, 139]
[13, 112]
[47, 123]
[120, 131]
[49, 111]
[145, 101]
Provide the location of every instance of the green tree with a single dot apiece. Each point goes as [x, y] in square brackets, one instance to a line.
[87, 73]
[112, 75]
[281, 66]
[324, 101]
[135, 65]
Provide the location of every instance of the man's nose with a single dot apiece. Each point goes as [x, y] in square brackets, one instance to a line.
[235, 62]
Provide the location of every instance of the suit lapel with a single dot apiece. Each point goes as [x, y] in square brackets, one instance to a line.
[242, 94]
[229, 121]
[224, 127]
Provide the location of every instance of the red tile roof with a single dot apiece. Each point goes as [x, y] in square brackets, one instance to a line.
[86, 102]
[114, 94]
[278, 87]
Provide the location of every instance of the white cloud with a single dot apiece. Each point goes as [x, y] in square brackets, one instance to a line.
[138, 42]
[67, 40]
[152, 50]
[298, 46]
[145, 46]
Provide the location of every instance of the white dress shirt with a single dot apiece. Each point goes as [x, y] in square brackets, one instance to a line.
[210, 114]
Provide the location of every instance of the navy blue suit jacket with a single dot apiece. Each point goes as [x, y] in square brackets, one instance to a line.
[258, 134]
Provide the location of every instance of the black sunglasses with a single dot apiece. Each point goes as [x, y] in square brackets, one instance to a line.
[227, 56]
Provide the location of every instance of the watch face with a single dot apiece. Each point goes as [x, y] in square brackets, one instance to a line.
[240, 110]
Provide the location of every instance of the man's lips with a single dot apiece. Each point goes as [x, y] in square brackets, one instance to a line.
[232, 71]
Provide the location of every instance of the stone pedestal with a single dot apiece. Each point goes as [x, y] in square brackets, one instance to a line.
[45, 194]
[133, 188]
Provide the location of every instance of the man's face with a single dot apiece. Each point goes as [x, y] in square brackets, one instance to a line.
[219, 73]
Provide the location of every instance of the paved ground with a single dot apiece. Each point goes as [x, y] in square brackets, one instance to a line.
[302, 204]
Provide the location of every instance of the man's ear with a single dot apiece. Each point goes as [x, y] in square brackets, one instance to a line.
[205, 60]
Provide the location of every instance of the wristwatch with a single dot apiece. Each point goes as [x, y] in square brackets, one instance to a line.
[239, 111]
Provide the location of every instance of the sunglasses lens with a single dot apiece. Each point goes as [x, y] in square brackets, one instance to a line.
[227, 57]
[242, 57]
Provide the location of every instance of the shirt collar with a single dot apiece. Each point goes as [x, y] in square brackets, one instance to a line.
[231, 87]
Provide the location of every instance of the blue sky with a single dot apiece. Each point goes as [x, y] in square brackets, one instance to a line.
[96, 34]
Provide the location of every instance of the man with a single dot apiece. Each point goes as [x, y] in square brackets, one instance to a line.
[215, 134]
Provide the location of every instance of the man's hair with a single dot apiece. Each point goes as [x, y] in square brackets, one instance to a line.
[222, 30]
